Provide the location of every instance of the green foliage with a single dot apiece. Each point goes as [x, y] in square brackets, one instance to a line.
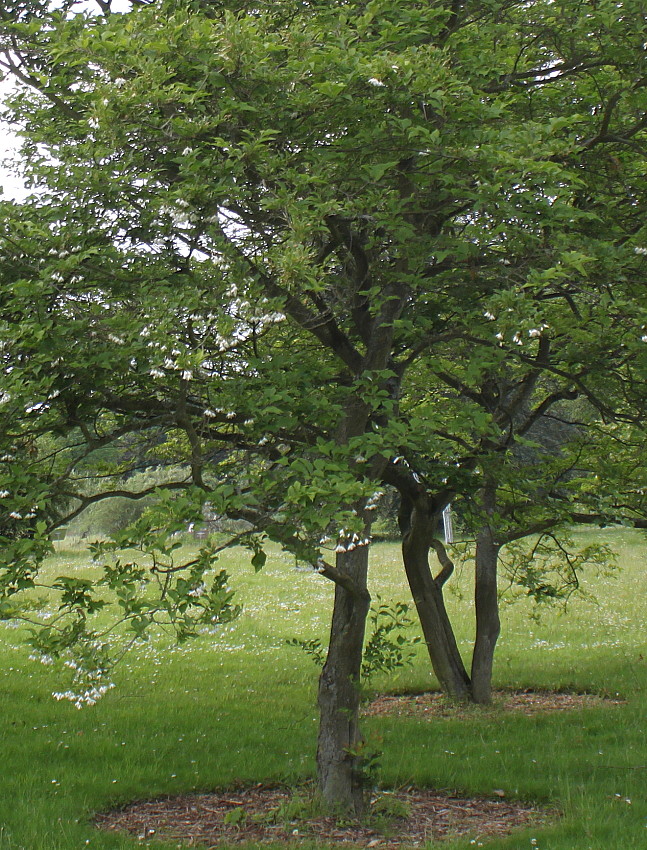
[388, 648]
[282, 257]
[235, 816]
[312, 647]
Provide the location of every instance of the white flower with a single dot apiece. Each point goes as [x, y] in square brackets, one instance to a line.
[490, 316]
[499, 336]
[15, 515]
[643, 338]
[231, 415]
[375, 82]
[187, 375]
[534, 332]
[210, 414]
[116, 339]
[156, 373]
[4, 494]
[642, 251]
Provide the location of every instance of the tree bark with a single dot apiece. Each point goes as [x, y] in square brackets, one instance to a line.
[428, 598]
[339, 760]
[488, 625]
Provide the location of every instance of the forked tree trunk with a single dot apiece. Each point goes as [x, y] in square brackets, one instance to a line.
[339, 761]
[428, 598]
[488, 625]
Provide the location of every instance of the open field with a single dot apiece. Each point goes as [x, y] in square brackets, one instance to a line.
[238, 705]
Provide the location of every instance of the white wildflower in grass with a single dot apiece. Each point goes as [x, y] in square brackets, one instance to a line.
[489, 316]
[231, 415]
[156, 373]
[375, 82]
[643, 338]
[15, 515]
[168, 363]
[499, 336]
[187, 375]
[641, 251]
[118, 340]
[210, 414]
[4, 494]
[533, 333]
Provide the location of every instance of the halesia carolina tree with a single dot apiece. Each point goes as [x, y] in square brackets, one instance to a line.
[251, 227]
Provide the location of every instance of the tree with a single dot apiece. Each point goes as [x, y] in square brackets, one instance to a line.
[254, 228]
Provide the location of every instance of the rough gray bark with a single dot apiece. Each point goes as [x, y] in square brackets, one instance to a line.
[339, 762]
[486, 598]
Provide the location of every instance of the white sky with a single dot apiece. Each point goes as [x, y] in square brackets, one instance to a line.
[12, 186]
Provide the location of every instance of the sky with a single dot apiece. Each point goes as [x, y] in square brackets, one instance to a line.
[12, 186]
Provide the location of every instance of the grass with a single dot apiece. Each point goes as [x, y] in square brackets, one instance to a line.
[239, 706]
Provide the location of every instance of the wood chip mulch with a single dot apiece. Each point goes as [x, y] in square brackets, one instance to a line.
[202, 820]
[435, 704]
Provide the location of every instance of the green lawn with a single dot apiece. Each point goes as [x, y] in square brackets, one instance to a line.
[239, 705]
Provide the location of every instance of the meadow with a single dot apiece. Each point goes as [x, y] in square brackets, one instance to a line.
[237, 705]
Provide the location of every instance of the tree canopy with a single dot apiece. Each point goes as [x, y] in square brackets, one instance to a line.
[289, 253]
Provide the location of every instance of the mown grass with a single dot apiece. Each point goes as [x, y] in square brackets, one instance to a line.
[239, 706]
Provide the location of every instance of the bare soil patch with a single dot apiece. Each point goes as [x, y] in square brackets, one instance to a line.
[255, 815]
[529, 702]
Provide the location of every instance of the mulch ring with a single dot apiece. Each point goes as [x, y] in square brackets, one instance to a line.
[528, 702]
[254, 815]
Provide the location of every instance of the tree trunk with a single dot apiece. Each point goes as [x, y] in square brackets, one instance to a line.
[339, 762]
[486, 598]
[428, 598]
